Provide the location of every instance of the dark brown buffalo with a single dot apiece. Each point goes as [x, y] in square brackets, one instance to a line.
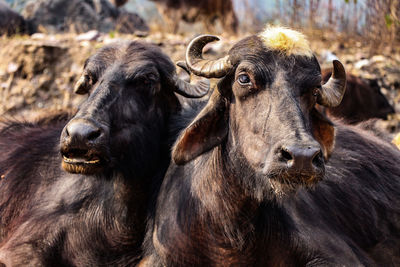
[207, 11]
[361, 101]
[82, 199]
[261, 178]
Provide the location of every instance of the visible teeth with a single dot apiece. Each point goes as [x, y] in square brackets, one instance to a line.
[93, 161]
[69, 160]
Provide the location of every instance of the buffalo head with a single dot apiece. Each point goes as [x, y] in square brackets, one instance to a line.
[131, 89]
[263, 114]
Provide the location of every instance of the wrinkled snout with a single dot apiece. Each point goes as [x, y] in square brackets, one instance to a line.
[299, 163]
[83, 144]
[301, 159]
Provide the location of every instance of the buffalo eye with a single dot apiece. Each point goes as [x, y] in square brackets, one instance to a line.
[90, 79]
[244, 79]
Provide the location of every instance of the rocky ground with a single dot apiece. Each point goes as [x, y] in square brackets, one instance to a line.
[39, 71]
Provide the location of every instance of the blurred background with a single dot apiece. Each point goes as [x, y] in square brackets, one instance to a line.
[44, 43]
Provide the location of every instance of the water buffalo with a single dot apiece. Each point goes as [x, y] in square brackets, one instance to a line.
[77, 190]
[261, 178]
[361, 101]
[208, 11]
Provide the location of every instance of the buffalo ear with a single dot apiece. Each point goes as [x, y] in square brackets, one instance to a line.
[208, 130]
[83, 85]
[324, 132]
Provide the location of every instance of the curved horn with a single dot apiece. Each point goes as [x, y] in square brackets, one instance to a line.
[82, 85]
[206, 68]
[332, 92]
[189, 90]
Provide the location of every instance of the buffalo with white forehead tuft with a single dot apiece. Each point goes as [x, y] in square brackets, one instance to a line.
[262, 178]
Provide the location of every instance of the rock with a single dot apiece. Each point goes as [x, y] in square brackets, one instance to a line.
[12, 67]
[62, 15]
[92, 35]
[38, 36]
[128, 22]
[361, 63]
[378, 58]
[81, 16]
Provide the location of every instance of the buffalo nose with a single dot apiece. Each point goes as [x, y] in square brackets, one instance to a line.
[82, 131]
[302, 159]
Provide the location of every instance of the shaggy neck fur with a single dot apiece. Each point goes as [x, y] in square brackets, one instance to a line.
[222, 225]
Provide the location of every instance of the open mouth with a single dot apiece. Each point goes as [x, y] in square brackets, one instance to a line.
[82, 161]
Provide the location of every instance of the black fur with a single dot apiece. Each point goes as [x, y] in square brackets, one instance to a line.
[232, 205]
[49, 217]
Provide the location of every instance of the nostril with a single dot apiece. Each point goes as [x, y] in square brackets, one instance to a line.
[94, 135]
[317, 158]
[67, 134]
[286, 155]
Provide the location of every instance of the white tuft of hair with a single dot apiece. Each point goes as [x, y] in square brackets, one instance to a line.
[286, 41]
